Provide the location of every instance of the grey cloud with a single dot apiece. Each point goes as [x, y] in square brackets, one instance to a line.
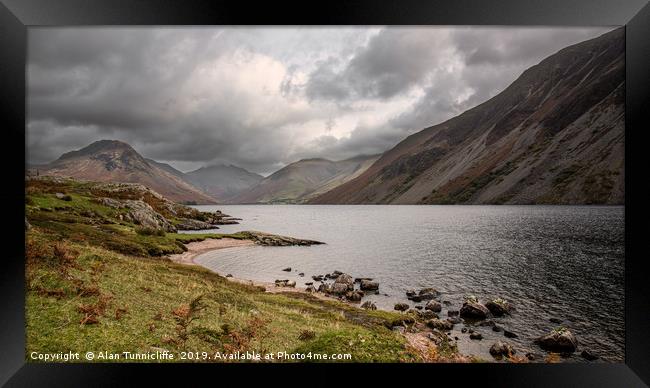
[163, 91]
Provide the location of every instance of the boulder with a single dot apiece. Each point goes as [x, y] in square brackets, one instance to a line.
[498, 307]
[428, 293]
[368, 305]
[310, 289]
[339, 289]
[427, 314]
[141, 213]
[440, 324]
[281, 283]
[324, 287]
[309, 283]
[229, 275]
[410, 292]
[358, 280]
[501, 349]
[288, 269]
[290, 283]
[476, 336]
[496, 328]
[354, 296]
[587, 355]
[63, 197]
[317, 278]
[419, 307]
[369, 285]
[473, 310]
[433, 306]
[401, 306]
[509, 334]
[559, 341]
[344, 280]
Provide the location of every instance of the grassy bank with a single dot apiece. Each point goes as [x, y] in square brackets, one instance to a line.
[97, 282]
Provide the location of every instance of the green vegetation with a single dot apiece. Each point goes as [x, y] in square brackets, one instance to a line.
[97, 282]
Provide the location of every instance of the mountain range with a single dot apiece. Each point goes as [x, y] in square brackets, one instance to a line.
[305, 179]
[554, 136]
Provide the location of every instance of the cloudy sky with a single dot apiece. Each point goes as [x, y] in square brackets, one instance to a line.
[261, 98]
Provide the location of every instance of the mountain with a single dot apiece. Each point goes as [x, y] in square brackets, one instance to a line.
[555, 135]
[223, 182]
[116, 161]
[305, 179]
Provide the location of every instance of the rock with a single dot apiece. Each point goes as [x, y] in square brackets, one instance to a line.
[302, 274]
[354, 296]
[530, 356]
[400, 329]
[470, 331]
[369, 285]
[401, 307]
[317, 278]
[267, 239]
[358, 280]
[344, 280]
[190, 224]
[110, 202]
[501, 349]
[336, 274]
[433, 306]
[368, 305]
[496, 328]
[446, 303]
[455, 320]
[309, 283]
[310, 289]
[463, 330]
[290, 283]
[324, 287]
[509, 334]
[63, 197]
[427, 314]
[556, 320]
[487, 323]
[498, 307]
[559, 341]
[428, 293]
[440, 324]
[288, 269]
[453, 313]
[339, 289]
[410, 292]
[476, 336]
[141, 213]
[229, 275]
[419, 307]
[473, 310]
[281, 283]
[587, 355]
[415, 298]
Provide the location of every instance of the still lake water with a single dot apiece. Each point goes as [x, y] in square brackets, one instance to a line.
[564, 262]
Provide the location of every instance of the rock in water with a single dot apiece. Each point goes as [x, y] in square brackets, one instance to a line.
[473, 310]
[401, 306]
[433, 306]
[587, 355]
[368, 305]
[509, 334]
[369, 285]
[288, 269]
[344, 280]
[501, 349]
[476, 336]
[498, 307]
[560, 341]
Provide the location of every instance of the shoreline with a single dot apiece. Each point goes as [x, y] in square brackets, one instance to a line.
[197, 248]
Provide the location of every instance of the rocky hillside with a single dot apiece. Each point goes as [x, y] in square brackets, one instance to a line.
[305, 179]
[554, 136]
[115, 161]
[223, 182]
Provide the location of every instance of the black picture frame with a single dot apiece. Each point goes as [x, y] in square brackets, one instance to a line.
[16, 16]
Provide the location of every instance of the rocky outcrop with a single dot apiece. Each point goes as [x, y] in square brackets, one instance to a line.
[141, 213]
[190, 224]
[267, 239]
[559, 340]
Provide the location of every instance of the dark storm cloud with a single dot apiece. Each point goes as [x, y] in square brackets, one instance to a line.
[262, 98]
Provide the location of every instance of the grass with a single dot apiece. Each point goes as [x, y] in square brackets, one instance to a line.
[98, 283]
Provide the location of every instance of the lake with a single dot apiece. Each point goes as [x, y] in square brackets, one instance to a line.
[563, 262]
